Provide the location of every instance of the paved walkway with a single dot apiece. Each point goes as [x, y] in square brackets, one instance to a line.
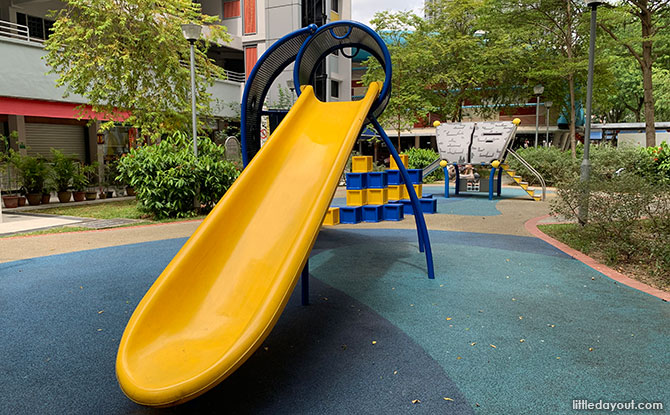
[510, 325]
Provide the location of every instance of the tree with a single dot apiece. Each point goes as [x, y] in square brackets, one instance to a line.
[128, 58]
[653, 17]
[408, 103]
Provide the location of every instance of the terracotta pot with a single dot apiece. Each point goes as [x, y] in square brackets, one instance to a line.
[64, 197]
[46, 198]
[79, 196]
[11, 201]
[102, 195]
[130, 191]
[34, 199]
[91, 195]
[22, 201]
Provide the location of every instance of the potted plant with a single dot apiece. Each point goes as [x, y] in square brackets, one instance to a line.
[79, 183]
[89, 173]
[64, 170]
[33, 173]
[46, 192]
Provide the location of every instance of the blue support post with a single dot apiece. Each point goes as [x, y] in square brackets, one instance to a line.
[305, 284]
[500, 173]
[446, 182]
[458, 179]
[416, 205]
[492, 177]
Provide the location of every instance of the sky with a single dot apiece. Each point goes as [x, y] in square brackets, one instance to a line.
[364, 10]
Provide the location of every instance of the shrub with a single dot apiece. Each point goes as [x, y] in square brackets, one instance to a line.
[167, 176]
[553, 164]
[34, 172]
[659, 159]
[628, 218]
[420, 158]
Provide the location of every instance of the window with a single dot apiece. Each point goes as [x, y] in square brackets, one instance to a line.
[335, 5]
[249, 17]
[334, 89]
[231, 9]
[38, 28]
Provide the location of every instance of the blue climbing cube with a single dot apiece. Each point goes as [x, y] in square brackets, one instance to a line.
[357, 181]
[393, 211]
[406, 206]
[371, 213]
[377, 180]
[415, 176]
[428, 205]
[351, 214]
[394, 177]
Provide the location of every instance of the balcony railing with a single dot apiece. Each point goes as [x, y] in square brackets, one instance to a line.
[234, 76]
[17, 31]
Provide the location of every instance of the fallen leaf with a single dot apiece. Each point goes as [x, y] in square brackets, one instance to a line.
[374, 342]
[558, 357]
[415, 401]
[522, 340]
[395, 372]
[473, 343]
[551, 325]
[266, 348]
[441, 285]
[448, 318]
[411, 305]
[493, 345]
[101, 311]
[99, 329]
[458, 358]
[476, 404]
[447, 399]
[590, 349]
[520, 317]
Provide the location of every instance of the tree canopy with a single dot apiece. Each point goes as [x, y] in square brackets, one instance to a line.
[129, 59]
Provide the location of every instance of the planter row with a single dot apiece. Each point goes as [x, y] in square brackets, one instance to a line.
[64, 197]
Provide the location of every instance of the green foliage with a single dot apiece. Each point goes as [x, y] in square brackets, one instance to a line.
[659, 157]
[628, 219]
[167, 176]
[553, 164]
[126, 59]
[419, 158]
[83, 176]
[33, 172]
[64, 169]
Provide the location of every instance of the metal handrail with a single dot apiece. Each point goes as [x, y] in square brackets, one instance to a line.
[531, 169]
[235, 76]
[17, 31]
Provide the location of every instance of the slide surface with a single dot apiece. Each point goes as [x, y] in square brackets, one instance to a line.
[220, 296]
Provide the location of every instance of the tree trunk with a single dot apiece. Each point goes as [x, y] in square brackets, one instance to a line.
[573, 117]
[646, 64]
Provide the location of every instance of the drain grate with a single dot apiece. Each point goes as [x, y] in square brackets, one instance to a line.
[107, 223]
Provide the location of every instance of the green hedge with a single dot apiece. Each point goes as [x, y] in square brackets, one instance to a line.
[167, 176]
[420, 158]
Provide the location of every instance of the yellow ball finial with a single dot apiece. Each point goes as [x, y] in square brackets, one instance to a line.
[516, 121]
[443, 163]
[436, 124]
[495, 164]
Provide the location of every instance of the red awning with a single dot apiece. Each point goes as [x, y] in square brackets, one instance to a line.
[49, 109]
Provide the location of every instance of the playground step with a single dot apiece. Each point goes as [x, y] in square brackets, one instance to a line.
[517, 179]
[524, 185]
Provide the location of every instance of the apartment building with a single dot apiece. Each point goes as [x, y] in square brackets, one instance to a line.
[31, 104]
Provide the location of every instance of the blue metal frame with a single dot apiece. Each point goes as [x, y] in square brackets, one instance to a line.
[424, 240]
[245, 96]
[386, 89]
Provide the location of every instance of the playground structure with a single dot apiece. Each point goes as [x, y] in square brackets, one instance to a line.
[221, 295]
[484, 144]
[374, 196]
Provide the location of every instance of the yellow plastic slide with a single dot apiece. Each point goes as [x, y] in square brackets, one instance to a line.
[220, 296]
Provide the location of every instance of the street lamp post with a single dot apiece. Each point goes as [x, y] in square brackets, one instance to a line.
[191, 32]
[547, 105]
[585, 169]
[537, 91]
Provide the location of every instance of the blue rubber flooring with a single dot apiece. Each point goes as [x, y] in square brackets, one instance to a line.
[62, 318]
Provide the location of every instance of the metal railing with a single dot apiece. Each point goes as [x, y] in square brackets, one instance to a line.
[17, 31]
[235, 76]
[531, 169]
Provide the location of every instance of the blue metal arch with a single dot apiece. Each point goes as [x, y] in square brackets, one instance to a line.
[384, 59]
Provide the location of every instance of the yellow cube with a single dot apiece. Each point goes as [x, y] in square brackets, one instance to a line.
[357, 197]
[361, 164]
[403, 157]
[332, 216]
[396, 191]
[418, 188]
[378, 196]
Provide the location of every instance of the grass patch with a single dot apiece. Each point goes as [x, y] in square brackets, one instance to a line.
[126, 209]
[640, 265]
[69, 229]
